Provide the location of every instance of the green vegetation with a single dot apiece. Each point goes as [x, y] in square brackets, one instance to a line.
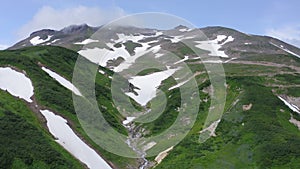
[259, 138]
[24, 142]
[49, 93]
[289, 79]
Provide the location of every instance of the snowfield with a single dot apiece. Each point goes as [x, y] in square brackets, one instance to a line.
[65, 136]
[102, 55]
[37, 40]
[213, 46]
[16, 83]
[148, 85]
[62, 81]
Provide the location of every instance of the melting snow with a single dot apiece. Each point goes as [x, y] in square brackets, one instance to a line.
[291, 106]
[62, 81]
[55, 40]
[176, 39]
[140, 51]
[182, 60]
[288, 51]
[185, 30]
[158, 55]
[229, 39]
[211, 128]
[16, 83]
[162, 155]
[148, 85]
[86, 41]
[213, 46]
[229, 60]
[179, 84]
[65, 136]
[37, 40]
[101, 56]
[128, 120]
[102, 72]
[212, 61]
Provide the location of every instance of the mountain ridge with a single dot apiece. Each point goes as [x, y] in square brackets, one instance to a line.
[68, 36]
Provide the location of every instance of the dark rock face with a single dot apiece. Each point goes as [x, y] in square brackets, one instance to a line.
[44, 32]
[75, 29]
[131, 88]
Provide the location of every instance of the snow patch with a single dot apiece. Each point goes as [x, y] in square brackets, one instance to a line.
[185, 30]
[37, 40]
[230, 60]
[55, 40]
[162, 155]
[128, 120]
[182, 60]
[211, 128]
[213, 46]
[291, 106]
[65, 136]
[288, 51]
[16, 83]
[229, 39]
[212, 61]
[178, 85]
[102, 72]
[62, 81]
[176, 39]
[86, 41]
[148, 85]
[102, 56]
[139, 51]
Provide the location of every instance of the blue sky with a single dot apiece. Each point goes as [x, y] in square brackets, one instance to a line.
[278, 18]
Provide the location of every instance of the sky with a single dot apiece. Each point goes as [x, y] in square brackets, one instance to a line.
[277, 18]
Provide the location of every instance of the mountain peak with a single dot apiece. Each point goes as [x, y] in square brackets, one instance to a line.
[181, 27]
[75, 28]
[43, 32]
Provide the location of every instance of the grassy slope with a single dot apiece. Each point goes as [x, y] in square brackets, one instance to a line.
[52, 95]
[265, 140]
[24, 142]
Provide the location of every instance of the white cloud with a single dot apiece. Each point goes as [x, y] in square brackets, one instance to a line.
[2, 47]
[289, 34]
[48, 17]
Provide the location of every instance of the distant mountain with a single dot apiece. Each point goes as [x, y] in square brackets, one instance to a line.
[243, 45]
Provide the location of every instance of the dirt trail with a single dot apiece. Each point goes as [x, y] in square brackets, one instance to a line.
[260, 63]
[297, 69]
